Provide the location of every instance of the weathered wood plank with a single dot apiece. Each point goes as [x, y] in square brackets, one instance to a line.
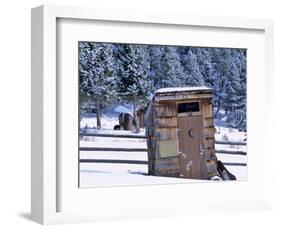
[165, 133]
[208, 144]
[113, 149]
[165, 116]
[178, 97]
[166, 121]
[234, 164]
[112, 135]
[165, 110]
[113, 161]
[166, 127]
[207, 110]
[230, 143]
[230, 152]
[207, 122]
[209, 132]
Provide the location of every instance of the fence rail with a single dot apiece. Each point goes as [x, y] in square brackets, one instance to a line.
[139, 162]
[144, 137]
[230, 143]
[234, 164]
[220, 151]
[109, 149]
[113, 149]
[113, 135]
[113, 161]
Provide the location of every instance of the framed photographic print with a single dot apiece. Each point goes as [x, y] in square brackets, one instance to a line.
[133, 110]
[155, 103]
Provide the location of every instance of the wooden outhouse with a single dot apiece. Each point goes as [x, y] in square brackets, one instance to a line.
[180, 133]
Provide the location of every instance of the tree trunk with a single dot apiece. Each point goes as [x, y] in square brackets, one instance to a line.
[136, 119]
[241, 120]
[98, 112]
[218, 109]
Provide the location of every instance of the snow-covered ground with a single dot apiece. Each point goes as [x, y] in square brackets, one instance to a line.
[105, 174]
[107, 120]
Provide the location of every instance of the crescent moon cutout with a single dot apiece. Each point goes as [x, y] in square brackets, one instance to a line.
[190, 133]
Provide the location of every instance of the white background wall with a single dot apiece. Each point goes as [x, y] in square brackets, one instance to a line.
[15, 112]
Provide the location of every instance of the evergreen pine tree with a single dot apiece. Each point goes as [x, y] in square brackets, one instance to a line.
[171, 72]
[230, 84]
[155, 56]
[133, 83]
[193, 76]
[205, 65]
[220, 59]
[97, 79]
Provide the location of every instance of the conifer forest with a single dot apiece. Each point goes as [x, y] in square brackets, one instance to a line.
[112, 74]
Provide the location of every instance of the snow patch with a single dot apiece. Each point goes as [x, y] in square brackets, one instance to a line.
[181, 89]
[230, 134]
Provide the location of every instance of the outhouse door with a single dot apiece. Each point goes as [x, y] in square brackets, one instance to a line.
[189, 136]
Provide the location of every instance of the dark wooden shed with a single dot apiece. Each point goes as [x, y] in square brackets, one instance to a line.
[180, 133]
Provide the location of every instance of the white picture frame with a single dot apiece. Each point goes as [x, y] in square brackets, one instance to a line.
[57, 200]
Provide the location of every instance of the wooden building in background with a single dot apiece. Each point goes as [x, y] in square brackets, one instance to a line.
[180, 133]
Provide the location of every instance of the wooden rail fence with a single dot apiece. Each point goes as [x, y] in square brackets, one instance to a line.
[138, 162]
[112, 135]
[112, 161]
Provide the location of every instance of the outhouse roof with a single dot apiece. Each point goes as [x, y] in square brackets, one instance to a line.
[182, 93]
[202, 89]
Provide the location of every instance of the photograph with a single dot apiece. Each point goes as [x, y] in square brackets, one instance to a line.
[161, 114]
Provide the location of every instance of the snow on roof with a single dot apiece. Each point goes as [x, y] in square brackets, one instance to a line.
[181, 89]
